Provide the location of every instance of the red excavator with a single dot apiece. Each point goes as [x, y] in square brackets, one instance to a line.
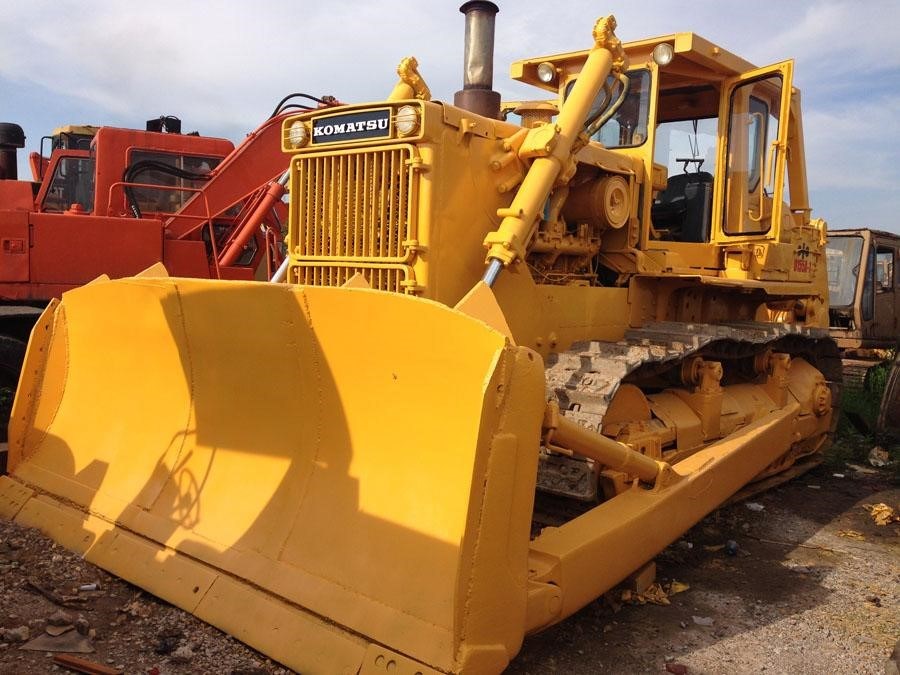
[116, 201]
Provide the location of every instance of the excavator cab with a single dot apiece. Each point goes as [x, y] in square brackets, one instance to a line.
[70, 175]
[69, 137]
[864, 291]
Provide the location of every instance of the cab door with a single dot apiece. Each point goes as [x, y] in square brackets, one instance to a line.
[886, 294]
[754, 116]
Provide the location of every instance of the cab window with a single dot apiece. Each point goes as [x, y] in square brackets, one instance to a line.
[753, 126]
[178, 177]
[884, 270]
[72, 183]
[686, 146]
[627, 128]
[843, 256]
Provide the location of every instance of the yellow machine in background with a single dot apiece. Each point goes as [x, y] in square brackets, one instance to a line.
[618, 306]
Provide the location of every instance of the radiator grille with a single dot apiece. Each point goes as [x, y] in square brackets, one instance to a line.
[382, 277]
[354, 211]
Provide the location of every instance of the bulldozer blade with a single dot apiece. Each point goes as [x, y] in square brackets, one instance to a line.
[339, 477]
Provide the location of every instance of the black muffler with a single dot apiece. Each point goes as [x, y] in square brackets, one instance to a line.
[12, 137]
[477, 94]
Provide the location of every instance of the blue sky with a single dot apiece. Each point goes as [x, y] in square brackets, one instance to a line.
[222, 66]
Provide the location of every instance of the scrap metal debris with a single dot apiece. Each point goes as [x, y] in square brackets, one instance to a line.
[71, 641]
[879, 457]
[19, 634]
[168, 641]
[882, 514]
[63, 633]
[135, 608]
[70, 601]
[655, 594]
[58, 630]
[80, 665]
[859, 468]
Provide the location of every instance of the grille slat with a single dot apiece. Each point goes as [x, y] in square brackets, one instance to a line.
[390, 213]
[356, 211]
[332, 203]
[356, 203]
[370, 211]
[385, 278]
[382, 210]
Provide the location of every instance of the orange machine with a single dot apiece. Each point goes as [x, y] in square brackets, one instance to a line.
[115, 201]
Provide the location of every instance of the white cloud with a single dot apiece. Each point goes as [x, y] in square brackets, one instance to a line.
[847, 148]
[842, 39]
[226, 62]
[223, 62]
[222, 65]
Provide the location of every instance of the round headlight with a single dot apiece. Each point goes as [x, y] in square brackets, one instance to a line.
[406, 120]
[298, 134]
[546, 72]
[663, 54]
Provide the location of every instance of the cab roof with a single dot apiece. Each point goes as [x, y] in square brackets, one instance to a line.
[693, 55]
[82, 129]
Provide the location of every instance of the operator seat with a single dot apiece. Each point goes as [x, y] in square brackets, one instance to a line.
[684, 209]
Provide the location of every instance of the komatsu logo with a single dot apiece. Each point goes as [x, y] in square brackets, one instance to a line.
[352, 126]
[349, 127]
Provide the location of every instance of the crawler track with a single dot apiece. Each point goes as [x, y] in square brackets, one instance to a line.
[585, 378]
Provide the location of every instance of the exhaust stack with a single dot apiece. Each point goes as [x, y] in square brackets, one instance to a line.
[477, 94]
[12, 138]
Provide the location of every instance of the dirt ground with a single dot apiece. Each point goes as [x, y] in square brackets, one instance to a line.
[809, 584]
[813, 587]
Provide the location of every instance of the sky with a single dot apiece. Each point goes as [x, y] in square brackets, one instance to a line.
[221, 66]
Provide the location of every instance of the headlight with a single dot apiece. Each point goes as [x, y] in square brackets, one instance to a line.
[406, 120]
[546, 72]
[298, 134]
[663, 54]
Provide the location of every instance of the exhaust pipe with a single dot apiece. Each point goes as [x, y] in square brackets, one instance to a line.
[477, 94]
[12, 137]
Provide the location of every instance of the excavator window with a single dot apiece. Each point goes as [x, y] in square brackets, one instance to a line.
[868, 292]
[178, 177]
[72, 183]
[72, 141]
[844, 255]
[884, 270]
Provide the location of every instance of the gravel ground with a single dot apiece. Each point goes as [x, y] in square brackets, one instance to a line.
[126, 629]
[812, 587]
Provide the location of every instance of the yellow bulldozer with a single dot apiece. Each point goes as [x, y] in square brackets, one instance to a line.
[512, 360]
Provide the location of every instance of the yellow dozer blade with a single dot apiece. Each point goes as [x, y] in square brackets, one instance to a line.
[339, 477]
